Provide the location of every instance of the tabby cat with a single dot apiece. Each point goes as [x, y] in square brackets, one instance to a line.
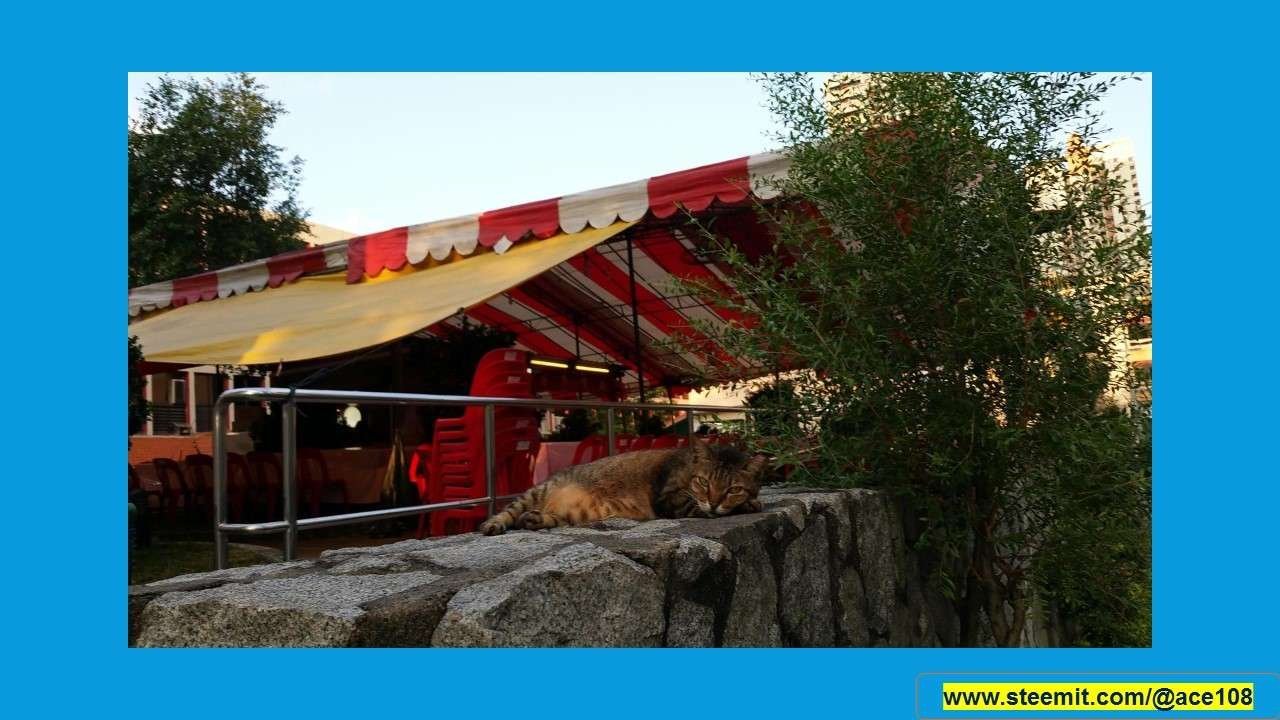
[697, 481]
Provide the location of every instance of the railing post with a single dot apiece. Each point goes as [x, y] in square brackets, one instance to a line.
[490, 461]
[692, 435]
[289, 463]
[609, 431]
[219, 488]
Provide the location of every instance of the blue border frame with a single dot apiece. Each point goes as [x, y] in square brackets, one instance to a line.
[1216, 494]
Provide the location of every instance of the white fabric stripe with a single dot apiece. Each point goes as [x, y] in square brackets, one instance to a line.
[441, 238]
[602, 207]
[241, 279]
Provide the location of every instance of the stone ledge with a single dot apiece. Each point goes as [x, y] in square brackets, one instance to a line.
[814, 568]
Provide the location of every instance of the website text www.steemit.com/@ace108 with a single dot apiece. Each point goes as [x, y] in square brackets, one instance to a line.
[1097, 697]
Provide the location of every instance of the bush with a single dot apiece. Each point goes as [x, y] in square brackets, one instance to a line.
[956, 278]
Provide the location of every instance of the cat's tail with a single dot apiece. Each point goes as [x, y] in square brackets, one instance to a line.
[531, 500]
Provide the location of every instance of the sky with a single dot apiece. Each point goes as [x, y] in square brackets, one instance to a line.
[382, 150]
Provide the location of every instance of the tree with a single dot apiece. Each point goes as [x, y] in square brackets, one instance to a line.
[206, 188]
[139, 408]
[958, 289]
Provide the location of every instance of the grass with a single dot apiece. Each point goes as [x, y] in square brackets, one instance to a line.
[169, 559]
[184, 546]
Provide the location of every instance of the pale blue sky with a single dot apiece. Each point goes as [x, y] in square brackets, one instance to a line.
[390, 149]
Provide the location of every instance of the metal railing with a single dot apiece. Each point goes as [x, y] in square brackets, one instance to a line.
[289, 399]
[165, 419]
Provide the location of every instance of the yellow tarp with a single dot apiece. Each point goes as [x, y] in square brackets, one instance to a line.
[323, 315]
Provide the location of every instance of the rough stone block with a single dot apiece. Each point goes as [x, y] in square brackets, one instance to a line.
[580, 596]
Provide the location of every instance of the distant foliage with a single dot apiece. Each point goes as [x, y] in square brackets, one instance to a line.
[961, 291]
[576, 425]
[139, 409]
[206, 188]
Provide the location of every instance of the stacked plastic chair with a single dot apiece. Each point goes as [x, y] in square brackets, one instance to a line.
[457, 458]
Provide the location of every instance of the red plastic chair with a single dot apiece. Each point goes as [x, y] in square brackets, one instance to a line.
[199, 470]
[644, 442]
[264, 484]
[457, 463]
[682, 441]
[136, 486]
[589, 448]
[667, 441]
[173, 487]
[314, 480]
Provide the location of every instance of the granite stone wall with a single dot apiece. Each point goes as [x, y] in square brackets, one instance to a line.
[814, 569]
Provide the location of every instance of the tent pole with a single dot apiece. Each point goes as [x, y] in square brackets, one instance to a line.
[635, 315]
[577, 341]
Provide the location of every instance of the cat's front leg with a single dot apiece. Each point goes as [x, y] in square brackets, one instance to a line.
[537, 520]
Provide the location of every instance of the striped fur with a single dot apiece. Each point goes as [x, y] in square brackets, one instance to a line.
[698, 481]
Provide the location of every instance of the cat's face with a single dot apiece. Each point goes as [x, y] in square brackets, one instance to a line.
[722, 483]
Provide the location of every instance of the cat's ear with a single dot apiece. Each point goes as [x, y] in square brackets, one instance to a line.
[701, 450]
[757, 466]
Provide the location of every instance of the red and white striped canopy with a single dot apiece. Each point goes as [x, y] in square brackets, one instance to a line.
[581, 307]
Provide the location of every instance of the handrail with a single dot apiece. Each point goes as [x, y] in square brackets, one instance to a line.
[290, 525]
[387, 398]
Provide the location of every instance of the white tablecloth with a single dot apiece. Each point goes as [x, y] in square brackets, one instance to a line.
[552, 456]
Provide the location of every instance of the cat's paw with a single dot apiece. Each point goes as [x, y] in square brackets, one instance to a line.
[531, 520]
[492, 527]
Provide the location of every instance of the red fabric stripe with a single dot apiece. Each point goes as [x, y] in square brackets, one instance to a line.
[624, 358]
[287, 267]
[670, 254]
[195, 288]
[730, 181]
[531, 339]
[369, 255]
[653, 307]
[542, 218]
